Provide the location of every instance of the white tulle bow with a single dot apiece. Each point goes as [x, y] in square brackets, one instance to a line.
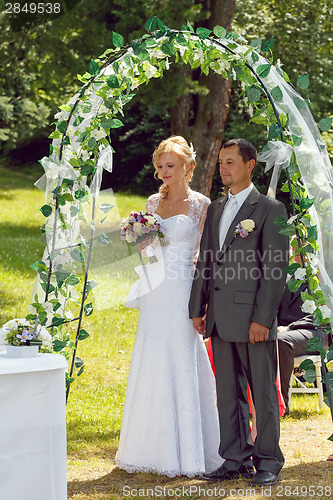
[276, 155]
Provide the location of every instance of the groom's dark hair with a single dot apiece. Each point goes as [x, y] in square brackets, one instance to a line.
[246, 149]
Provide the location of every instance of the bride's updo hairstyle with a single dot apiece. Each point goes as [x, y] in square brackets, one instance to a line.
[178, 145]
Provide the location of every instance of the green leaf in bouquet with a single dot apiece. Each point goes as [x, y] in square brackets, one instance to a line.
[78, 362]
[80, 193]
[77, 255]
[277, 94]
[103, 239]
[46, 210]
[303, 81]
[62, 126]
[61, 276]
[325, 124]
[94, 68]
[83, 334]
[91, 284]
[253, 94]
[263, 70]
[274, 131]
[219, 31]
[293, 268]
[151, 23]
[39, 266]
[92, 143]
[58, 321]
[117, 39]
[87, 169]
[280, 221]
[313, 233]
[113, 82]
[73, 280]
[88, 309]
[268, 46]
[74, 211]
[306, 203]
[203, 33]
[256, 44]
[296, 140]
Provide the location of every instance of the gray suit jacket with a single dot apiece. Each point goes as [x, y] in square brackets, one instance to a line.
[242, 282]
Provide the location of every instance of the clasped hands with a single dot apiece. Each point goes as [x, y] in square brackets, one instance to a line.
[257, 332]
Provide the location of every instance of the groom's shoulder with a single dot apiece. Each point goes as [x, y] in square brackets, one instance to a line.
[268, 201]
[218, 201]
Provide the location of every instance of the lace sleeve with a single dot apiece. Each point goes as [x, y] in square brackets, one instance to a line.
[152, 203]
[198, 211]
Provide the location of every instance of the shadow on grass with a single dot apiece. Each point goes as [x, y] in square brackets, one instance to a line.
[22, 179]
[309, 479]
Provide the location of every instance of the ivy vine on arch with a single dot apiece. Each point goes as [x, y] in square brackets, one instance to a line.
[82, 148]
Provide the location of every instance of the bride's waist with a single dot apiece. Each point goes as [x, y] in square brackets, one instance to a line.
[178, 253]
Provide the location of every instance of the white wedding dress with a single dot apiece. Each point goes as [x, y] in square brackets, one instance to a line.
[170, 421]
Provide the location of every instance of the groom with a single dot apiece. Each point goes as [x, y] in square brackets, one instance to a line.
[240, 277]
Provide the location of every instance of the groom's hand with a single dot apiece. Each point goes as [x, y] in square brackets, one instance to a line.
[200, 325]
[258, 333]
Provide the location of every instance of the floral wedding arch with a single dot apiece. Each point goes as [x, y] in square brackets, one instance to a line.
[82, 148]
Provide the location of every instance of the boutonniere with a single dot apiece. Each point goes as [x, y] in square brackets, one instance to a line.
[245, 227]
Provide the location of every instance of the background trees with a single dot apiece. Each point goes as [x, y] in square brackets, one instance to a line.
[40, 62]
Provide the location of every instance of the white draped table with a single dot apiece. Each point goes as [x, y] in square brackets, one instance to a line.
[33, 428]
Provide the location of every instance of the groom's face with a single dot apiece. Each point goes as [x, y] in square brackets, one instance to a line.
[235, 172]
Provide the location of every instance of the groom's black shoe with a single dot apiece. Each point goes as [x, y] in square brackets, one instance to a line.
[265, 478]
[223, 474]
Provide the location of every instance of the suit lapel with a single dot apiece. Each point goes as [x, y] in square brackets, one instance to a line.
[216, 220]
[243, 213]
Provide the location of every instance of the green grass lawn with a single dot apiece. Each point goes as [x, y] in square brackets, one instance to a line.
[96, 398]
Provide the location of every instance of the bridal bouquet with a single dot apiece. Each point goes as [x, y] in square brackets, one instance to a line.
[138, 226]
[21, 332]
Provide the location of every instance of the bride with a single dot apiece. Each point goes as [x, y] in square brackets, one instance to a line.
[170, 422]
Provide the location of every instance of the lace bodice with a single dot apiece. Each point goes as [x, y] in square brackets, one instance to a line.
[183, 228]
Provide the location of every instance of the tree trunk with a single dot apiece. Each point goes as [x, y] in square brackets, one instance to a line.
[205, 128]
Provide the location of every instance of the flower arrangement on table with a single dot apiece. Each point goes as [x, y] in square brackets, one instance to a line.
[22, 332]
[138, 226]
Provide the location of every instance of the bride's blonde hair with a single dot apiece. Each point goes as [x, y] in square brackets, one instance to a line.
[178, 145]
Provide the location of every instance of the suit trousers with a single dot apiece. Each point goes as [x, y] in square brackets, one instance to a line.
[235, 363]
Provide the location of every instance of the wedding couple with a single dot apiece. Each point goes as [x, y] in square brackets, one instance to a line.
[171, 424]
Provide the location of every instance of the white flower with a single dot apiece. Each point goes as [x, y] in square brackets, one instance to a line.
[138, 228]
[69, 315]
[326, 311]
[135, 84]
[130, 238]
[98, 134]
[300, 273]
[104, 109]
[308, 306]
[248, 225]
[85, 155]
[150, 70]
[150, 219]
[44, 336]
[3, 334]
[48, 306]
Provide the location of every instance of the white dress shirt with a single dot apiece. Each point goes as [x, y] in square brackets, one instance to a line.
[231, 208]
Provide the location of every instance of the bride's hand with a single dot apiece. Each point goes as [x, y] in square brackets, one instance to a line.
[200, 325]
[143, 244]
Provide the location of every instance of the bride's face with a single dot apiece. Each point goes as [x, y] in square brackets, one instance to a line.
[170, 168]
